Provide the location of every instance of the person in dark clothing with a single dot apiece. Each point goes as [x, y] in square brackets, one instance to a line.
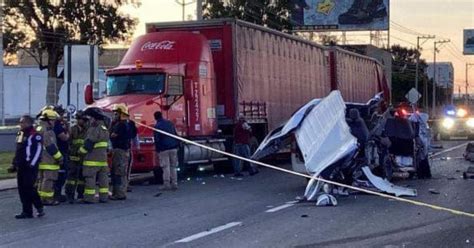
[132, 131]
[120, 138]
[61, 130]
[167, 150]
[358, 127]
[242, 136]
[26, 161]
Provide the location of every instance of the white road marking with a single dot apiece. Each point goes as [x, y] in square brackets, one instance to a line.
[206, 233]
[448, 150]
[287, 205]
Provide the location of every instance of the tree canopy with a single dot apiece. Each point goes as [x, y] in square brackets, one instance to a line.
[404, 75]
[274, 14]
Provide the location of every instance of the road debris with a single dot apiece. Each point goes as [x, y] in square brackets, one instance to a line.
[434, 191]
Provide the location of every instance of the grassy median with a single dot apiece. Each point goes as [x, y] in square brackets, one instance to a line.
[5, 162]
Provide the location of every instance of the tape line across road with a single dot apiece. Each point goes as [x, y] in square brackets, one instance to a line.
[413, 202]
[447, 150]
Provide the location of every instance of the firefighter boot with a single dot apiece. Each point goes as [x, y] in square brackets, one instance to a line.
[103, 180]
[46, 187]
[70, 188]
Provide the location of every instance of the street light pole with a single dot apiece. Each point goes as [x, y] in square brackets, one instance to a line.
[199, 10]
[467, 82]
[433, 107]
[418, 56]
[183, 4]
[2, 83]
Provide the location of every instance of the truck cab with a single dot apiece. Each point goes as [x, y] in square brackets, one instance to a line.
[171, 72]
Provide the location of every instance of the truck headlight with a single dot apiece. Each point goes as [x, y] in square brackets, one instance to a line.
[470, 122]
[448, 123]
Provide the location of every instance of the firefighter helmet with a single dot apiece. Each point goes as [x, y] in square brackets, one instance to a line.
[48, 114]
[51, 107]
[95, 113]
[121, 108]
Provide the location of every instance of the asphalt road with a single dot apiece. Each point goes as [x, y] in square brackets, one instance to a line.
[213, 211]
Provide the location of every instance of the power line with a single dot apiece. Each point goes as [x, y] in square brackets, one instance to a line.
[403, 31]
[407, 29]
[400, 39]
[453, 52]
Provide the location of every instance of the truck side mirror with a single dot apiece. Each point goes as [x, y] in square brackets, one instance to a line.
[88, 94]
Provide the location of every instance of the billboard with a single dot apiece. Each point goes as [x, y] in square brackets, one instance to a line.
[340, 15]
[468, 41]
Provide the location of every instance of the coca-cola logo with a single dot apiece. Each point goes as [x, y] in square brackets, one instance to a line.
[162, 45]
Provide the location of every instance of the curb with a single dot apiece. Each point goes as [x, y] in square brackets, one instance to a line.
[12, 184]
[133, 178]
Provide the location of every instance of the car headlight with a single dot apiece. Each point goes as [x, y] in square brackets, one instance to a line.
[448, 123]
[461, 112]
[470, 122]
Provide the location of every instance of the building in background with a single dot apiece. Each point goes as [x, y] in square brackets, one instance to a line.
[29, 82]
[444, 74]
[444, 79]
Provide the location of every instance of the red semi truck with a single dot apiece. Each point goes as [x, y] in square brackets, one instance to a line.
[203, 74]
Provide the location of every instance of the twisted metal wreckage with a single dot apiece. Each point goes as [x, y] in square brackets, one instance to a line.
[326, 148]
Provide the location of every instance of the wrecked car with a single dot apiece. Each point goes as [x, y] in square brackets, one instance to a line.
[325, 147]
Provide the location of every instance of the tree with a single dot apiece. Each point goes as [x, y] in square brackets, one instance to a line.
[403, 76]
[274, 14]
[41, 28]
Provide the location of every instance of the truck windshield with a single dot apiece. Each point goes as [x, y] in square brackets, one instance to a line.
[135, 84]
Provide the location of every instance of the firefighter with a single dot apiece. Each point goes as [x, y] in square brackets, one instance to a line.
[61, 130]
[75, 181]
[26, 161]
[51, 160]
[120, 139]
[95, 157]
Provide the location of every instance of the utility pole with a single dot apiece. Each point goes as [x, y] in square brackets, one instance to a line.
[425, 38]
[433, 110]
[467, 81]
[2, 84]
[183, 4]
[199, 10]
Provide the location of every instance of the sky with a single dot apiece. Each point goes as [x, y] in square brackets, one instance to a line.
[445, 19]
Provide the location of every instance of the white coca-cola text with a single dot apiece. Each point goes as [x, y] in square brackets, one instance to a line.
[162, 45]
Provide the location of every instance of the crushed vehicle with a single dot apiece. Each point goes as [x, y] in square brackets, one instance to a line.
[325, 146]
[399, 143]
